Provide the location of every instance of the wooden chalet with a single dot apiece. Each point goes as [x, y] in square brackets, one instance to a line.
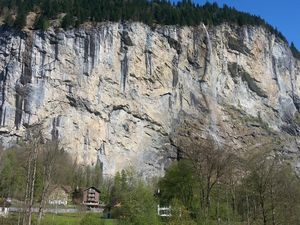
[91, 197]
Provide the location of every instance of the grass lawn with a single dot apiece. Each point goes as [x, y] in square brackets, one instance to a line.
[72, 219]
[62, 219]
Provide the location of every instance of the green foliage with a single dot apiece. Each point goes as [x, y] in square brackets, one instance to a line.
[9, 20]
[14, 165]
[295, 51]
[91, 219]
[139, 206]
[21, 19]
[180, 215]
[13, 174]
[42, 23]
[61, 219]
[82, 176]
[133, 201]
[10, 220]
[270, 186]
[178, 183]
[259, 190]
[67, 21]
[75, 219]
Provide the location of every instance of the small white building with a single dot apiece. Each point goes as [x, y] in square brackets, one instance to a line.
[4, 206]
[164, 211]
[4, 211]
[59, 195]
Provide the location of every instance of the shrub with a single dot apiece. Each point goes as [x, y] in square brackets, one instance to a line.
[92, 219]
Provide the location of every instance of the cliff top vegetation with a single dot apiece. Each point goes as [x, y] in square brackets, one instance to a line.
[73, 13]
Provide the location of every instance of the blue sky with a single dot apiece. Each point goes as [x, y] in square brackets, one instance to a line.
[285, 15]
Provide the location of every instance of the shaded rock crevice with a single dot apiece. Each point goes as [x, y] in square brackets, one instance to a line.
[236, 71]
[237, 45]
[125, 41]
[148, 54]
[23, 87]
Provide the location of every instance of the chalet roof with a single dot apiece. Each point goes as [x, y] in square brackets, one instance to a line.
[4, 203]
[96, 189]
[67, 189]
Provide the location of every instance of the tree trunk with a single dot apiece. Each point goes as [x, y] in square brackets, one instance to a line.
[208, 192]
[27, 189]
[227, 206]
[43, 202]
[273, 206]
[264, 213]
[32, 184]
[51, 154]
[218, 204]
[247, 202]
[233, 199]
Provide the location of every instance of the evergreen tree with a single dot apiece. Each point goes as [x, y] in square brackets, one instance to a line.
[185, 12]
[9, 21]
[42, 23]
[295, 51]
[67, 21]
[21, 19]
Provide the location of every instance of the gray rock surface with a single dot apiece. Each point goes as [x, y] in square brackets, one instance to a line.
[116, 92]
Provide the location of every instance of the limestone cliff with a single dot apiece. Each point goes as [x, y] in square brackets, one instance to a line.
[116, 92]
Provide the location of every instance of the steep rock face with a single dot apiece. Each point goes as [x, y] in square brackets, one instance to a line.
[116, 92]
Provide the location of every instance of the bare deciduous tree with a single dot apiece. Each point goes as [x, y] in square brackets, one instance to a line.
[211, 163]
[33, 150]
[50, 153]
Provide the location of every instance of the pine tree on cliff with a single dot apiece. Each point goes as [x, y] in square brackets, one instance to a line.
[185, 12]
[295, 51]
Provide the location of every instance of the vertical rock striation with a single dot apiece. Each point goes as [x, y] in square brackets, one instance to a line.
[117, 92]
